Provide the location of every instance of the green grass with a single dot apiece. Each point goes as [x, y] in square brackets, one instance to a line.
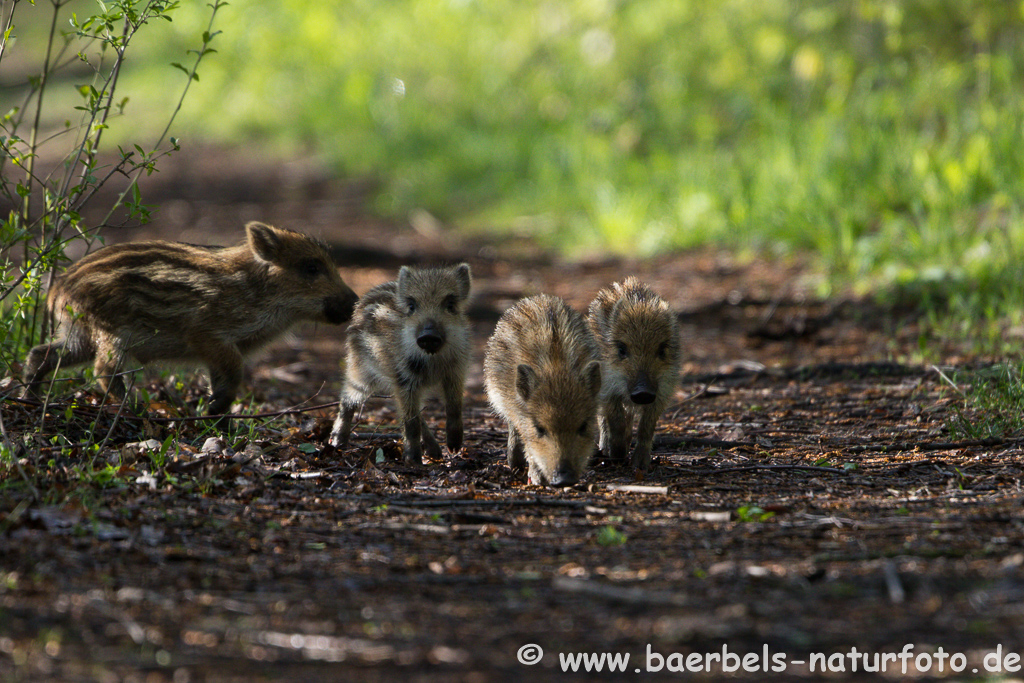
[882, 136]
[990, 404]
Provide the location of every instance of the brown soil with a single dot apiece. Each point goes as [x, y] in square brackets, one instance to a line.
[281, 559]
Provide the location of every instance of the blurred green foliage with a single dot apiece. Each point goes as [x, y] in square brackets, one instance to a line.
[884, 135]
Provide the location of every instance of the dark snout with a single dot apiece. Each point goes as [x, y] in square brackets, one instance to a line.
[564, 476]
[430, 337]
[338, 310]
[642, 392]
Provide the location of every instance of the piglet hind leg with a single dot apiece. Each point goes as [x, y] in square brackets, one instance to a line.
[616, 425]
[72, 350]
[430, 444]
[108, 366]
[225, 364]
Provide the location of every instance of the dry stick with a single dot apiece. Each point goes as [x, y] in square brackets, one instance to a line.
[239, 416]
[637, 488]
[933, 446]
[948, 381]
[635, 595]
[192, 418]
[749, 468]
[487, 502]
[120, 409]
[697, 394]
[670, 441]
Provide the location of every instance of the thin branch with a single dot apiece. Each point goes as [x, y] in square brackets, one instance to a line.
[671, 441]
[463, 502]
[5, 25]
[933, 445]
[948, 381]
[750, 468]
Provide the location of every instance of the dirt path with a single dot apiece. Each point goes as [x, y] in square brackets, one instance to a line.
[803, 500]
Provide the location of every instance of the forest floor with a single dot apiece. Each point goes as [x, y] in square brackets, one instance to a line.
[806, 496]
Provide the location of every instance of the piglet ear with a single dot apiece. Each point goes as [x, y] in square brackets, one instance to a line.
[404, 274]
[464, 279]
[592, 373]
[526, 379]
[263, 240]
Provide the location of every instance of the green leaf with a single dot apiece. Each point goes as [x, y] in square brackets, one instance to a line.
[610, 536]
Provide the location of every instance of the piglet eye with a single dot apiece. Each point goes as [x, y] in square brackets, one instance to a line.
[583, 429]
[663, 350]
[622, 350]
[410, 305]
[452, 304]
[541, 432]
[310, 267]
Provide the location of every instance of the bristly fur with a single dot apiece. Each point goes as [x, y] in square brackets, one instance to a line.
[390, 350]
[640, 357]
[160, 300]
[542, 376]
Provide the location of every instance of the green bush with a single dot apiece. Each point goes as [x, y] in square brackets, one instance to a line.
[51, 166]
[881, 134]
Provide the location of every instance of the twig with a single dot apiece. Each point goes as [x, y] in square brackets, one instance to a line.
[670, 441]
[636, 488]
[191, 418]
[697, 394]
[948, 381]
[238, 416]
[117, 416]
[933, 446]
[749, 468]
[487, 502]
[628, 594]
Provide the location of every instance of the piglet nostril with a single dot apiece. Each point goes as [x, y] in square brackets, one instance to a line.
[642, 397]
[431, 343]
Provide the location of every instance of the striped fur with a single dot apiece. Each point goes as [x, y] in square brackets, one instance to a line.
[159, 300]
[640, 356]
[542, 376]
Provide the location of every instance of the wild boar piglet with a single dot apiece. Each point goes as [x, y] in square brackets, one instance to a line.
[640, 354]
[543, 376]
[157, 300]
[407, 338]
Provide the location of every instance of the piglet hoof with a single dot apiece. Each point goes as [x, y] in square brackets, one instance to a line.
[453, 439]
[413, 455]
[641, 461]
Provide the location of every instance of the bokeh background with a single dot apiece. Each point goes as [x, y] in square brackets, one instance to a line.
[879, 137]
